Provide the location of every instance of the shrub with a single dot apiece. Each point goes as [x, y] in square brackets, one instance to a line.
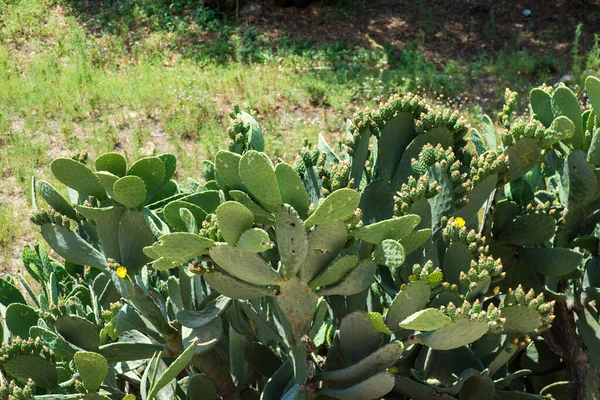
[404, 262]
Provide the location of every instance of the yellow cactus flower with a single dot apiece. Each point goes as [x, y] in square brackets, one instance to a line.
[496, 290]
[122, 272]
[460, 222]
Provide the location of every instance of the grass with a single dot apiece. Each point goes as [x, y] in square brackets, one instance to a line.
[142, 78]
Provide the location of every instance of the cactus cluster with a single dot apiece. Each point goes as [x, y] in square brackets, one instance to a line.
[401, 263]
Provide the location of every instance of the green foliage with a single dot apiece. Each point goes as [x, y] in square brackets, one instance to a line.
[427, 281]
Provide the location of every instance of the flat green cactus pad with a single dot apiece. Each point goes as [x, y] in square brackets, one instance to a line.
[356, 281]
[410, 299]
[227, 169]
[593, 155]
[253, 269]
[561, 129]
[234, 219]
[172, 214]
[255, 240]
[92, 368]
[528, 230]
[71, 247]
[460, 332]
[396, 228]
[113, 163]
[404, 169]
[19, 318]
[358, 337]
[235, 288]
[197, 319]
[151, 170]
[292, 240]
[53, 341]
[292, 189]
[298, 303]
[592, 86]
[520, 320]
[78, 331]
[338, 206]
[374, 363]
[330, 237]
[375, 387]
[389, 253]
[107, 180]
[199, 387]
[415, 240]
[130, 191]
[94, 213]
[55, 200]
[523, 156]
[134, 235]
[261, 216]
[541, 104]
[258, 175]
[578, 180]
[477, 197]
[555, 262]
[564, 102]
[129, 351]
[426, 320]
[181, 246]
[335, 272]
[77, 176]
[26, 366]
[397, 133]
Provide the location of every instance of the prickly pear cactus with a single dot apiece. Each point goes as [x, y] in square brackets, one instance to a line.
[404, 262]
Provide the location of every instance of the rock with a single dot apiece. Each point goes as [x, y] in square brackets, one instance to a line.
[251, 9]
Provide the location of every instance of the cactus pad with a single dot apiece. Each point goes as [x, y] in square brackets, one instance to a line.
[528, 230]
[374, 363]
[292, 240]
[130, 191]
[181, 246]
[415, 240]
[55, 200]
[113, 163]
[258, 175]
[541, 104]
[523, 156]
[338, 206]
[335, 272]
[428, 319]
[292, 189]
[555, 262]
[92, 368]
[389, 253]
[298, 303]
[72, 247]
[396, 228]
[227, 166]
[255, 240]
[19, 318]
[564, 102]
[234, 219]
[261, 216]
[356, 281]
[77, 176]
[151, 170]
[578, 180]
[373, 388]
[253, 269]
[26, 366]
[235, 288]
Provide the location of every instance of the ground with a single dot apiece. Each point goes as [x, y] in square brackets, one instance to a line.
[153, 76]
